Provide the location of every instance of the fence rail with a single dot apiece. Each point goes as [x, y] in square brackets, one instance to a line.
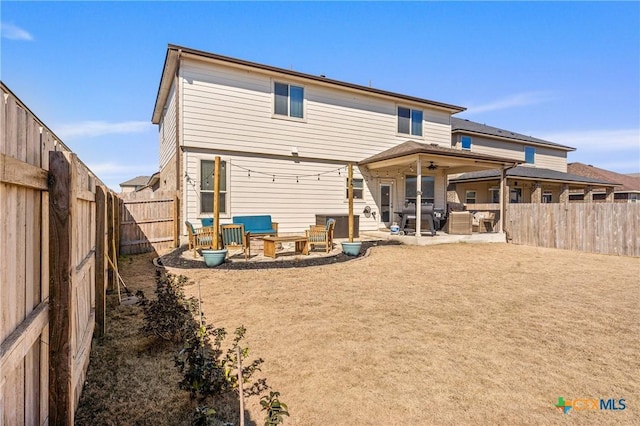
[608, 228]
[148, 221]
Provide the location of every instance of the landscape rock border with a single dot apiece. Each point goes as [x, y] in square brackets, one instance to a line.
[175, 259]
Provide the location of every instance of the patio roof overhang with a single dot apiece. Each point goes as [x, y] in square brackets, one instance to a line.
[534, 174]
[449, 159]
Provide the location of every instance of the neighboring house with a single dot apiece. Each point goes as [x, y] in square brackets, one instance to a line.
[542, 177]
[627, 189]
[134, 184]
[285, 139]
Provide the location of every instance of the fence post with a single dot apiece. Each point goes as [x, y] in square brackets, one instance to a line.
[100, 283]
[109, 219]
[117, 207]
[61, 184]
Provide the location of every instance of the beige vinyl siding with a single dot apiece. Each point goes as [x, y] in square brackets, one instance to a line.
[292, 204]
[167, 131]
[234, 108]
[548, 158]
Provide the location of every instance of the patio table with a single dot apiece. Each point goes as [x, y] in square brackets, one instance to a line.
[301, 244]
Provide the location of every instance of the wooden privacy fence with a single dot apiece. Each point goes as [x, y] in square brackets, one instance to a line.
[148, 221]
[608, 228]
[53, 237]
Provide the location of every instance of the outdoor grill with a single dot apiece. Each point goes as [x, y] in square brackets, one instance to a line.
[433, 217]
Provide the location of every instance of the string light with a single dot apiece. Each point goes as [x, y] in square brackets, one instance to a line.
[206, 180]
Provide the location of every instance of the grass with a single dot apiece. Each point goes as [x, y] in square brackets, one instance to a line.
[450, 334]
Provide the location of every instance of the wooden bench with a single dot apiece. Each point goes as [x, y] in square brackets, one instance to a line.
[302, 246]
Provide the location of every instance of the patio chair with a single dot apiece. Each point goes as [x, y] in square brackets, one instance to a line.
[321, 234]
[233, 235]
[199, 237]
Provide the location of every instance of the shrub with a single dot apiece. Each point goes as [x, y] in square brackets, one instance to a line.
[169, 317]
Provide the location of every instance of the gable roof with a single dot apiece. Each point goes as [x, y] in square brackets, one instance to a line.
[530, 173]
[136, 181]
[624, 182]
[174, 52]
[459, 125]
[413, 147]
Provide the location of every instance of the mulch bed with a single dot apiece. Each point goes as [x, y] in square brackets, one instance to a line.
[175, 259]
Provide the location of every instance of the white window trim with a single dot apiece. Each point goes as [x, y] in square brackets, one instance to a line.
[199, 159]
[409, 134]
[364, 191]
[466, 196]
[273, 102]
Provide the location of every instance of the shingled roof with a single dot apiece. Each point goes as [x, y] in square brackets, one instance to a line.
[413, 147]
[526, 172]
[625, 183]
[136, 181]
[467, 126]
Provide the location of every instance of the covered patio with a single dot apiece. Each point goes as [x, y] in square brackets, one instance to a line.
[418, 173]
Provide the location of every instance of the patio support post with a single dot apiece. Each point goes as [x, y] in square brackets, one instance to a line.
[609, 197]
[536, 193]
[216, 202]
[350, 188]
[503, 197]
[418, 198]
[564, 194]
[588, 194]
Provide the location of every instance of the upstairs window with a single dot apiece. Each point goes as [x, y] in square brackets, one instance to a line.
[410, 121]
[466, 142]
[529, 154]
[358, 189]
[288, 100]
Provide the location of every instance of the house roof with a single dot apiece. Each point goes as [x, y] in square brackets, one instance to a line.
[412, 147]
[136, 181]
[174, 51]
[530, 173]
[625, 183]
[459, 125]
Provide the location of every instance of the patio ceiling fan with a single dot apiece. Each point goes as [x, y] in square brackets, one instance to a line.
[432, 166]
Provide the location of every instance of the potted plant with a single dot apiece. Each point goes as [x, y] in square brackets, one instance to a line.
[351, 248]
[214, 257]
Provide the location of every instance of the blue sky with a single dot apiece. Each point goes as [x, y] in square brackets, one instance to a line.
[566, 72]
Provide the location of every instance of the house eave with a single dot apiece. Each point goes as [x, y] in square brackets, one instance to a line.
[185, 52]
[513, 139]
[166, 81]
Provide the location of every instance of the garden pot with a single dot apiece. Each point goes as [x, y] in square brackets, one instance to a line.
[214, 257]
[351, 249]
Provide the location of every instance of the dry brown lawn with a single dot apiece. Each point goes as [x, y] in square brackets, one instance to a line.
[449, 334]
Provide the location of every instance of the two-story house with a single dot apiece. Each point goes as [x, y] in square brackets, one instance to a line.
[540, 178]
[285, 139]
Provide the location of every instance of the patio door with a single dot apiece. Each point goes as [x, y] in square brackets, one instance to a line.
[386, 203]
